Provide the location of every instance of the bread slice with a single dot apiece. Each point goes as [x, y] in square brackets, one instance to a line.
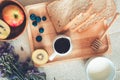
[96, 7]
[108, 12]
[62, 12]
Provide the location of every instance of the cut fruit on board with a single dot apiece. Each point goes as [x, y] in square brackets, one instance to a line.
[39, 57]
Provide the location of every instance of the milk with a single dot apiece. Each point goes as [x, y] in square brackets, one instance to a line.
[100, 68]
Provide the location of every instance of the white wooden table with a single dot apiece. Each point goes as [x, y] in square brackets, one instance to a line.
[75, 70]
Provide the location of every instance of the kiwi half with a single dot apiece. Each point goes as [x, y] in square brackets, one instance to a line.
[39, 57]
[4, 30]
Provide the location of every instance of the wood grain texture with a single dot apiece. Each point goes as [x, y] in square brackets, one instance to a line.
[49, 31]
[81, 41]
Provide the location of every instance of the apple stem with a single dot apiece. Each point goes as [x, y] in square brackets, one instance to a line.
[16, 16]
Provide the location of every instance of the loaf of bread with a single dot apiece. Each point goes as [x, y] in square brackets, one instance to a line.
[4, 30]
[96, 7]
[106, 13]
[62, 12]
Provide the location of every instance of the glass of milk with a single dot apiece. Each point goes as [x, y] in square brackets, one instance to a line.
[100, 68]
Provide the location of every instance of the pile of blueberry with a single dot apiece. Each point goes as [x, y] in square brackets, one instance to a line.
[36, 20]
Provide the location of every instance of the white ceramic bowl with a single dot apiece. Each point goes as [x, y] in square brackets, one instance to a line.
[100, 68]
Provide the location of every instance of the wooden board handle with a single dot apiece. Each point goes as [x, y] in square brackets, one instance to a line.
[109, 25]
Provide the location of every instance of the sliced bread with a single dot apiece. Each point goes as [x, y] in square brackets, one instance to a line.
[96, 7]
[62, 12]
[108, 12]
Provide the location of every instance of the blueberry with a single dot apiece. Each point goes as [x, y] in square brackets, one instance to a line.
[44, 18]
[38, 38]
[41, 30]
[38, 19]
[32, 16]
[34, 23]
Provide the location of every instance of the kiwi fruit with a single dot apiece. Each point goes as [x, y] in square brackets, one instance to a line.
[39, 57]
[4, 30]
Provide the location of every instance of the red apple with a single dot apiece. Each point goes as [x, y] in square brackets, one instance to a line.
[13, 15]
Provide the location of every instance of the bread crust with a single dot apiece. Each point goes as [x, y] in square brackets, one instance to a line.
[62, 12]
[95, 8]
[108, 12]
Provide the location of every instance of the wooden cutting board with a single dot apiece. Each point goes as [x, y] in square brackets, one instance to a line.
[33, 31]
[81, 41]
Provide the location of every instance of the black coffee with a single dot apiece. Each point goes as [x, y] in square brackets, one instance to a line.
[62, 45]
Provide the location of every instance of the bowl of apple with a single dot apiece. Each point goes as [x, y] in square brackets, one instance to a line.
[13, 19]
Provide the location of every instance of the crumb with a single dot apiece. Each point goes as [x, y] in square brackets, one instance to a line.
[22, 49]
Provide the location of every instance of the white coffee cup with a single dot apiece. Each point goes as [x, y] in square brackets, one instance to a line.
[62, 46]
[100, 68]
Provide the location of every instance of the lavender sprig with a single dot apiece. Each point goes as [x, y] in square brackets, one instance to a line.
[11, 68]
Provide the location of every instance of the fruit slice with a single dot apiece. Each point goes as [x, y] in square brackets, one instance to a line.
[40, 57]
[4, 30]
